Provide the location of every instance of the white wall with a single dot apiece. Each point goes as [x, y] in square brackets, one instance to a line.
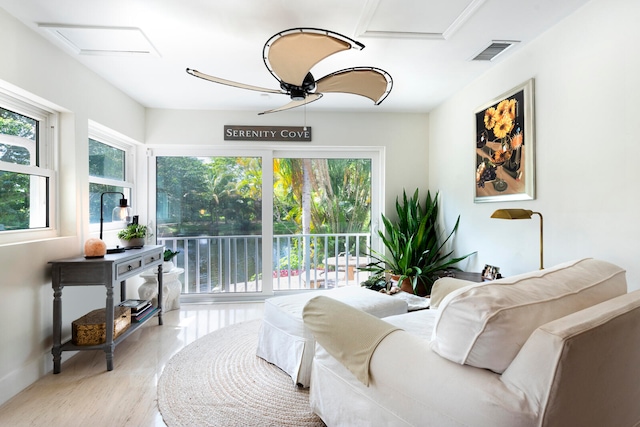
[587, 72]
[34, 68]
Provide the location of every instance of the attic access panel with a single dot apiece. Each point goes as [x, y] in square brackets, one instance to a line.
[91, 40]
[425, 19]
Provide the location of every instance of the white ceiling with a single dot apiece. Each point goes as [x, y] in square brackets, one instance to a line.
[426, 45]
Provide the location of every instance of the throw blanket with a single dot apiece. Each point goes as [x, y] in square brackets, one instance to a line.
[348, 334]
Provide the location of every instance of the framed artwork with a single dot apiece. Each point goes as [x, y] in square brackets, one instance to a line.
[505, 147]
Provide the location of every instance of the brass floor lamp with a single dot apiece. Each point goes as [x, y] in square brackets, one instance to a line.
[521, 214]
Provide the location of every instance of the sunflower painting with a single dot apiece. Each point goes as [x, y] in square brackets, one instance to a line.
[504, 167]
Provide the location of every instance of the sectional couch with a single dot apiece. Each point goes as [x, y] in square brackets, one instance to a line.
[556, 347]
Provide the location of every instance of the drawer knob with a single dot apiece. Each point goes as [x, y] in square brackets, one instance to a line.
[130, 267]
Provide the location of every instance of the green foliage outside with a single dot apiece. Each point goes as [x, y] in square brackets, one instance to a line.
[105, 161]
[221, 196]
[14, 187]
[217, 196]
[322, 196]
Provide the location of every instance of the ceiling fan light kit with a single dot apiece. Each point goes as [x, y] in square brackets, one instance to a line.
[289, 56]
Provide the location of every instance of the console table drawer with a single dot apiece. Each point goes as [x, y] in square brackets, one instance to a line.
[153, 258]
[129, 267]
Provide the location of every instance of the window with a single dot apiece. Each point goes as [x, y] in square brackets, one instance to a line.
[111, 161]
[26, 165]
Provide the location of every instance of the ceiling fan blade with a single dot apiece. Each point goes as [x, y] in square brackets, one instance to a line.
[197, 73]
[293, 104]
[290, 54]
[370, 82]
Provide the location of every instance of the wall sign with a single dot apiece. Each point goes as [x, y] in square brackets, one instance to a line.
[267, 133]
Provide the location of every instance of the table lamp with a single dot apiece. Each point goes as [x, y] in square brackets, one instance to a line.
[521, 214]
[122, 212]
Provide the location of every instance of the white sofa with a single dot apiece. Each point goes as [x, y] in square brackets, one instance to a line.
[557, 347]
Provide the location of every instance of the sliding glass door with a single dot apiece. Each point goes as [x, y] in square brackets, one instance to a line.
[250, 224]
[210, 210]
[322, 221]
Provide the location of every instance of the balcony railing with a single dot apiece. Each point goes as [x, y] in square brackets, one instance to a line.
[216, 264]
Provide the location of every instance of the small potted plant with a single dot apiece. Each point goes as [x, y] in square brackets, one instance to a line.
[133, 236]
[377, 282]
[168, 255]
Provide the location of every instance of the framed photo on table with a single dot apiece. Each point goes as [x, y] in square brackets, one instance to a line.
[505, 147]
[491, 272]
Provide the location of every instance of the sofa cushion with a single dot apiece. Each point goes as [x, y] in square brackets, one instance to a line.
[487, 324]
[444, 286]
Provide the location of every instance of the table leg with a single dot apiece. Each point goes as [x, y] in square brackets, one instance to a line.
[56, 351]
[109, 346]
[160, 294]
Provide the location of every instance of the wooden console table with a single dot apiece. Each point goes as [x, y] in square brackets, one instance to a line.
[464, 275]
[107, 272]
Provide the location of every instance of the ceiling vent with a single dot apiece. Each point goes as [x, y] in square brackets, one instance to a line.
[493, 50]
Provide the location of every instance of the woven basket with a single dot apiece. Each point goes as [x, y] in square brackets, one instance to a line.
[91, 329]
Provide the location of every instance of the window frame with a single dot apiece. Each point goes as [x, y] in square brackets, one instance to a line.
[113, 139]
[47, 166]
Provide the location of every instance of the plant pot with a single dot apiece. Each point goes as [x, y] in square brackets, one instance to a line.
[133, 243]
[167, 266]
[422, 290]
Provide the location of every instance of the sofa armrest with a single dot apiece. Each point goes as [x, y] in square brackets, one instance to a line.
[348, 334]
[586, 365]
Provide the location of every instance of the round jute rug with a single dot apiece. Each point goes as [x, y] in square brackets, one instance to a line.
[219, 381]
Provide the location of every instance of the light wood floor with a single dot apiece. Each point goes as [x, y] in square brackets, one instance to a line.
[86, 394]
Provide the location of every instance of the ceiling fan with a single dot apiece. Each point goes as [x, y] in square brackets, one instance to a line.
[289, 56]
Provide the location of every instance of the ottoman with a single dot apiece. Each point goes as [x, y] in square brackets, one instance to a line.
[288, 344]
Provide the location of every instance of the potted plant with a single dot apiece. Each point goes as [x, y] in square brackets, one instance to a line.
[414, 247]
[167, 256]
[133, 236]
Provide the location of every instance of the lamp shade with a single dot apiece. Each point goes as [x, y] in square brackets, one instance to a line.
[120, 213]
[512, 214]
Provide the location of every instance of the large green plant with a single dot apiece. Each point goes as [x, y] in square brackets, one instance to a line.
[414, 245]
